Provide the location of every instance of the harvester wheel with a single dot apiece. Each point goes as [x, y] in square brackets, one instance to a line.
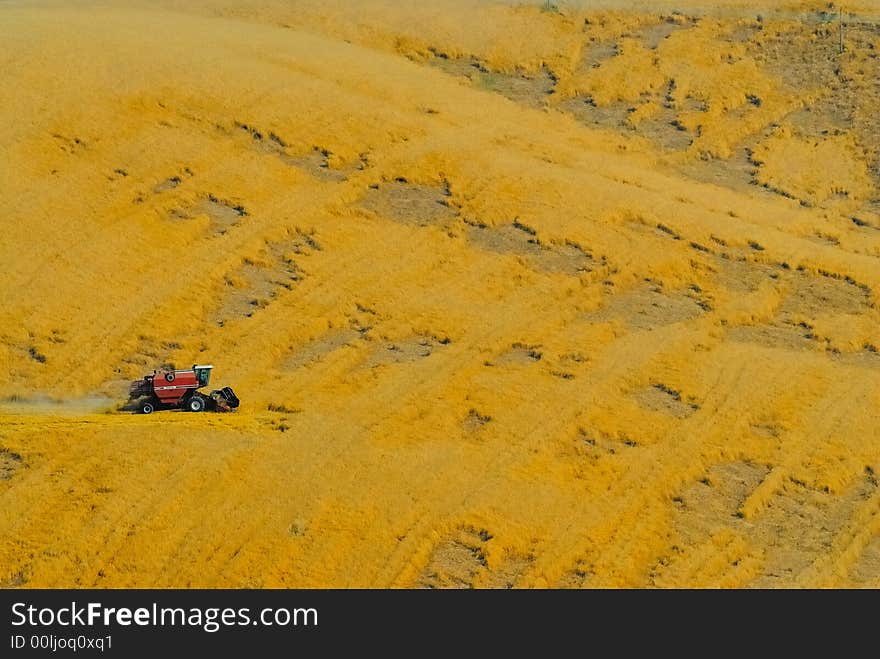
[196, 404]
[147, 408]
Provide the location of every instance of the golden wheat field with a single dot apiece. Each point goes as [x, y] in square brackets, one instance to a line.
[513, 294]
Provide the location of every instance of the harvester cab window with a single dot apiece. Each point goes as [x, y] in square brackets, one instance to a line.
[202, 375]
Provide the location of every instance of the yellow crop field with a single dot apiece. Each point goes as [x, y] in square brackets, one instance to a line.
[513, 294]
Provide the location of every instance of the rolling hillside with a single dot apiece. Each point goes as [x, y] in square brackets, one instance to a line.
[513, 295]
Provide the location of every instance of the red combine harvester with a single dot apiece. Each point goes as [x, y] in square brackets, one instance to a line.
[179, 389]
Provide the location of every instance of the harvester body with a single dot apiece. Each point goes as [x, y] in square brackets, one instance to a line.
[179, 389]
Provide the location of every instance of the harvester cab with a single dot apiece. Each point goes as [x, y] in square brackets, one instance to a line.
[203, 374]
[179, 389]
